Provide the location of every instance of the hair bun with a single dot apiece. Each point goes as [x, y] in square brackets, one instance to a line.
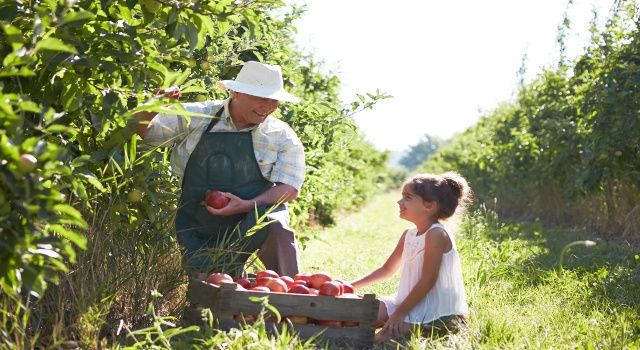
[457, 183]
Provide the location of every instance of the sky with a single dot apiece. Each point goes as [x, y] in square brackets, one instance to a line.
[445, 62]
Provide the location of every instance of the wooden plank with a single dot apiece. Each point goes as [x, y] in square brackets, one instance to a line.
[226, 299]
[358, 337]
[192, 315]
[225, 303]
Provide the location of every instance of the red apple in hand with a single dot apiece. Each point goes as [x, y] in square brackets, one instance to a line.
[317, 279]
[216, 200]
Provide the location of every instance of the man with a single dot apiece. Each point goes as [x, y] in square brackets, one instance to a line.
[256, 160]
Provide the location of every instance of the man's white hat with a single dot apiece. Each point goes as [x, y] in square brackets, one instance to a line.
[259, 79]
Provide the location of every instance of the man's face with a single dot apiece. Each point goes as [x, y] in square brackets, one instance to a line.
[248, 110]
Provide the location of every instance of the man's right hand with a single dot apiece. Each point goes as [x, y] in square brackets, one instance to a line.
[172, 93]
[143, 118]
[236, 205]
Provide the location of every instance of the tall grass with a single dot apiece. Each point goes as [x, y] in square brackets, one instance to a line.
[519, 295]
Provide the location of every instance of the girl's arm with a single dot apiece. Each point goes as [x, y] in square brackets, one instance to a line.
[386, 270]
[436, 243]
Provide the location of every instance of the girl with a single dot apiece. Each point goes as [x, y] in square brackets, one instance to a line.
[431, 291]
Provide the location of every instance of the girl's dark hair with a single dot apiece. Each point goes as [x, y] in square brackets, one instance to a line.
[450, 190]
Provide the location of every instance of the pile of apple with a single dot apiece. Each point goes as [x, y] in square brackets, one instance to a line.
[303, 283]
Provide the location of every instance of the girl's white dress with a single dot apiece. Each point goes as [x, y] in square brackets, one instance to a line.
[447, 297]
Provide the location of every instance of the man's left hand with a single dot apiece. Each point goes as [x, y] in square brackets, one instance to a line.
[236, 205]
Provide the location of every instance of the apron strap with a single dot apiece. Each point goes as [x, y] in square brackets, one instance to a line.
[215, 120]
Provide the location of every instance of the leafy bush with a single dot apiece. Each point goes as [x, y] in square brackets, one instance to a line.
[567, 152]
[72, 74]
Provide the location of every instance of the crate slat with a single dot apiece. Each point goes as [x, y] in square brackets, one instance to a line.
[357, 337]
[226, 300]
[226, 303]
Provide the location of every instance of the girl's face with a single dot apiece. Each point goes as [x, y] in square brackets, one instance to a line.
[413, 207]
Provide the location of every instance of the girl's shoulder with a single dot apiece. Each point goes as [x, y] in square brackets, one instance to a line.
[438, 232]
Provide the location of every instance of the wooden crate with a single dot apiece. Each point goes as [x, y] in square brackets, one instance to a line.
[226, 303]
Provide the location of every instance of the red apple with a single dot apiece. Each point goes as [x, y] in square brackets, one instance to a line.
[260, 289]
[216, 200]
[299, 289]
[317, 279]
[313, 291]
[302, 277]
[329, 323]
[331, 288]
[262, 281]
[276, 285]
[267, 273]
[298, 319]
[243, 282]
[350, 324]
[347, 287]
[301, 282]
[218, 278]
[288, 280]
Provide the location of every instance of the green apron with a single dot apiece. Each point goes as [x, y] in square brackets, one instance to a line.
[223, 161]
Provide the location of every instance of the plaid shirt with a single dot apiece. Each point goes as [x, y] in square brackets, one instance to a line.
[277, 148]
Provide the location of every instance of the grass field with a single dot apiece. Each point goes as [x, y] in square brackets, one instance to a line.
[521, 296]
[518, 294]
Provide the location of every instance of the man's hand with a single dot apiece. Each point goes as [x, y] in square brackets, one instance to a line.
[236, 205]
[280, 193]
[172, 93]
[141, 119]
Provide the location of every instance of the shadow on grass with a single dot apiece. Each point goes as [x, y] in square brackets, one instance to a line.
[611, 267]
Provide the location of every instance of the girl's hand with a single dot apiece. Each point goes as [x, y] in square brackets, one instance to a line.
[236, 205]
[395, 324]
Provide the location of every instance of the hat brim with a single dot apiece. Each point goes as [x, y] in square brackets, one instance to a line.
[280, 95]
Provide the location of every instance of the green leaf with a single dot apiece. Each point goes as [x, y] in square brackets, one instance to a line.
[14, 36]
[54, 44]
[12, 72]
[94, 181]
[62, 128]
[193, 88]
[81, 15]
[132, 147]
[72, 212]
[76, 238]
[29, 106]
